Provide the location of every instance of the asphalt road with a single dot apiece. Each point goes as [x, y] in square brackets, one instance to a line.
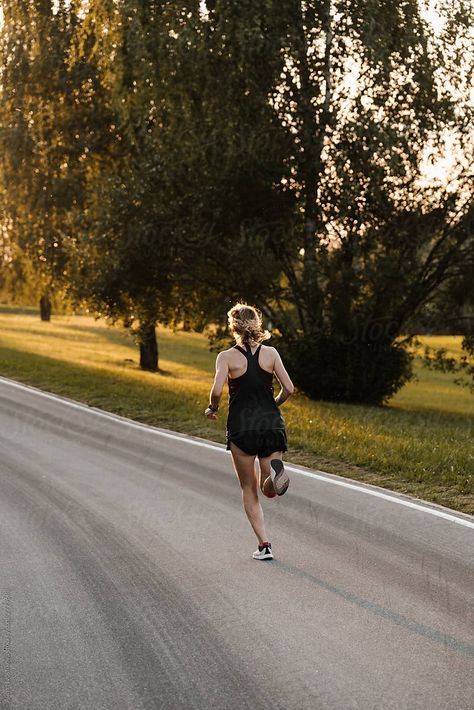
[127, 581]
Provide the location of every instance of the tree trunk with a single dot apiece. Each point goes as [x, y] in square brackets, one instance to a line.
[148, 347]
[45, 307]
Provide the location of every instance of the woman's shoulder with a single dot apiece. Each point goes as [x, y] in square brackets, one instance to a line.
[268, 355]
[269, 348]
[224, 354]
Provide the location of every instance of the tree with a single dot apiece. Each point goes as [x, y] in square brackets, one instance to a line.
[125, 253]
[365, 89]
[37, 189]
[154, 236]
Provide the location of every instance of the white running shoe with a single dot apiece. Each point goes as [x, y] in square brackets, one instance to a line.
[264, 552]
[280, 478]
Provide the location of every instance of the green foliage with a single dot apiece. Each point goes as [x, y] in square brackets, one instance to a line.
[38, 182]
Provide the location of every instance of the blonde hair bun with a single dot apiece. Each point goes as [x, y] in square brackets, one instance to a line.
[246, 324]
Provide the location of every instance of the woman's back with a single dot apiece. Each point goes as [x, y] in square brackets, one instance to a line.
[252, 406]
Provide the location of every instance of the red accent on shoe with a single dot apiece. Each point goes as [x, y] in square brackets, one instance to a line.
[264, 544]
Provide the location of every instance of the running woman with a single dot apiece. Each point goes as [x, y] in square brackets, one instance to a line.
[255, 426]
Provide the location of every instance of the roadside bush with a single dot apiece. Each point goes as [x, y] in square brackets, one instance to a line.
[332, 368]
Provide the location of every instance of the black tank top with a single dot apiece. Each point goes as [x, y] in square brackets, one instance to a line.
[252, 405]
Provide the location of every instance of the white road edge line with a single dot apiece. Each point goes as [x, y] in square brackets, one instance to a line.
[320, 476]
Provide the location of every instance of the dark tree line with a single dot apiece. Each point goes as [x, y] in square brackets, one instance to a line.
[159, 162]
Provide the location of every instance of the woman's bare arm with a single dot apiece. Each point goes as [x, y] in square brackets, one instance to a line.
[287, 387]
[222, 370]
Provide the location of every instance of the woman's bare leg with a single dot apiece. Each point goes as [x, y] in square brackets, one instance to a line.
[266, 483]
[244, 465]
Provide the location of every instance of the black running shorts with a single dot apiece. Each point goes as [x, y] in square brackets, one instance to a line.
[260, 443]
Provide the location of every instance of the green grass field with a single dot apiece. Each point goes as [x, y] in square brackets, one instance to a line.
[420, 444]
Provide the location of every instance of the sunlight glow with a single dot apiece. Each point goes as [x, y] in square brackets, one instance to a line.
[430, 13]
